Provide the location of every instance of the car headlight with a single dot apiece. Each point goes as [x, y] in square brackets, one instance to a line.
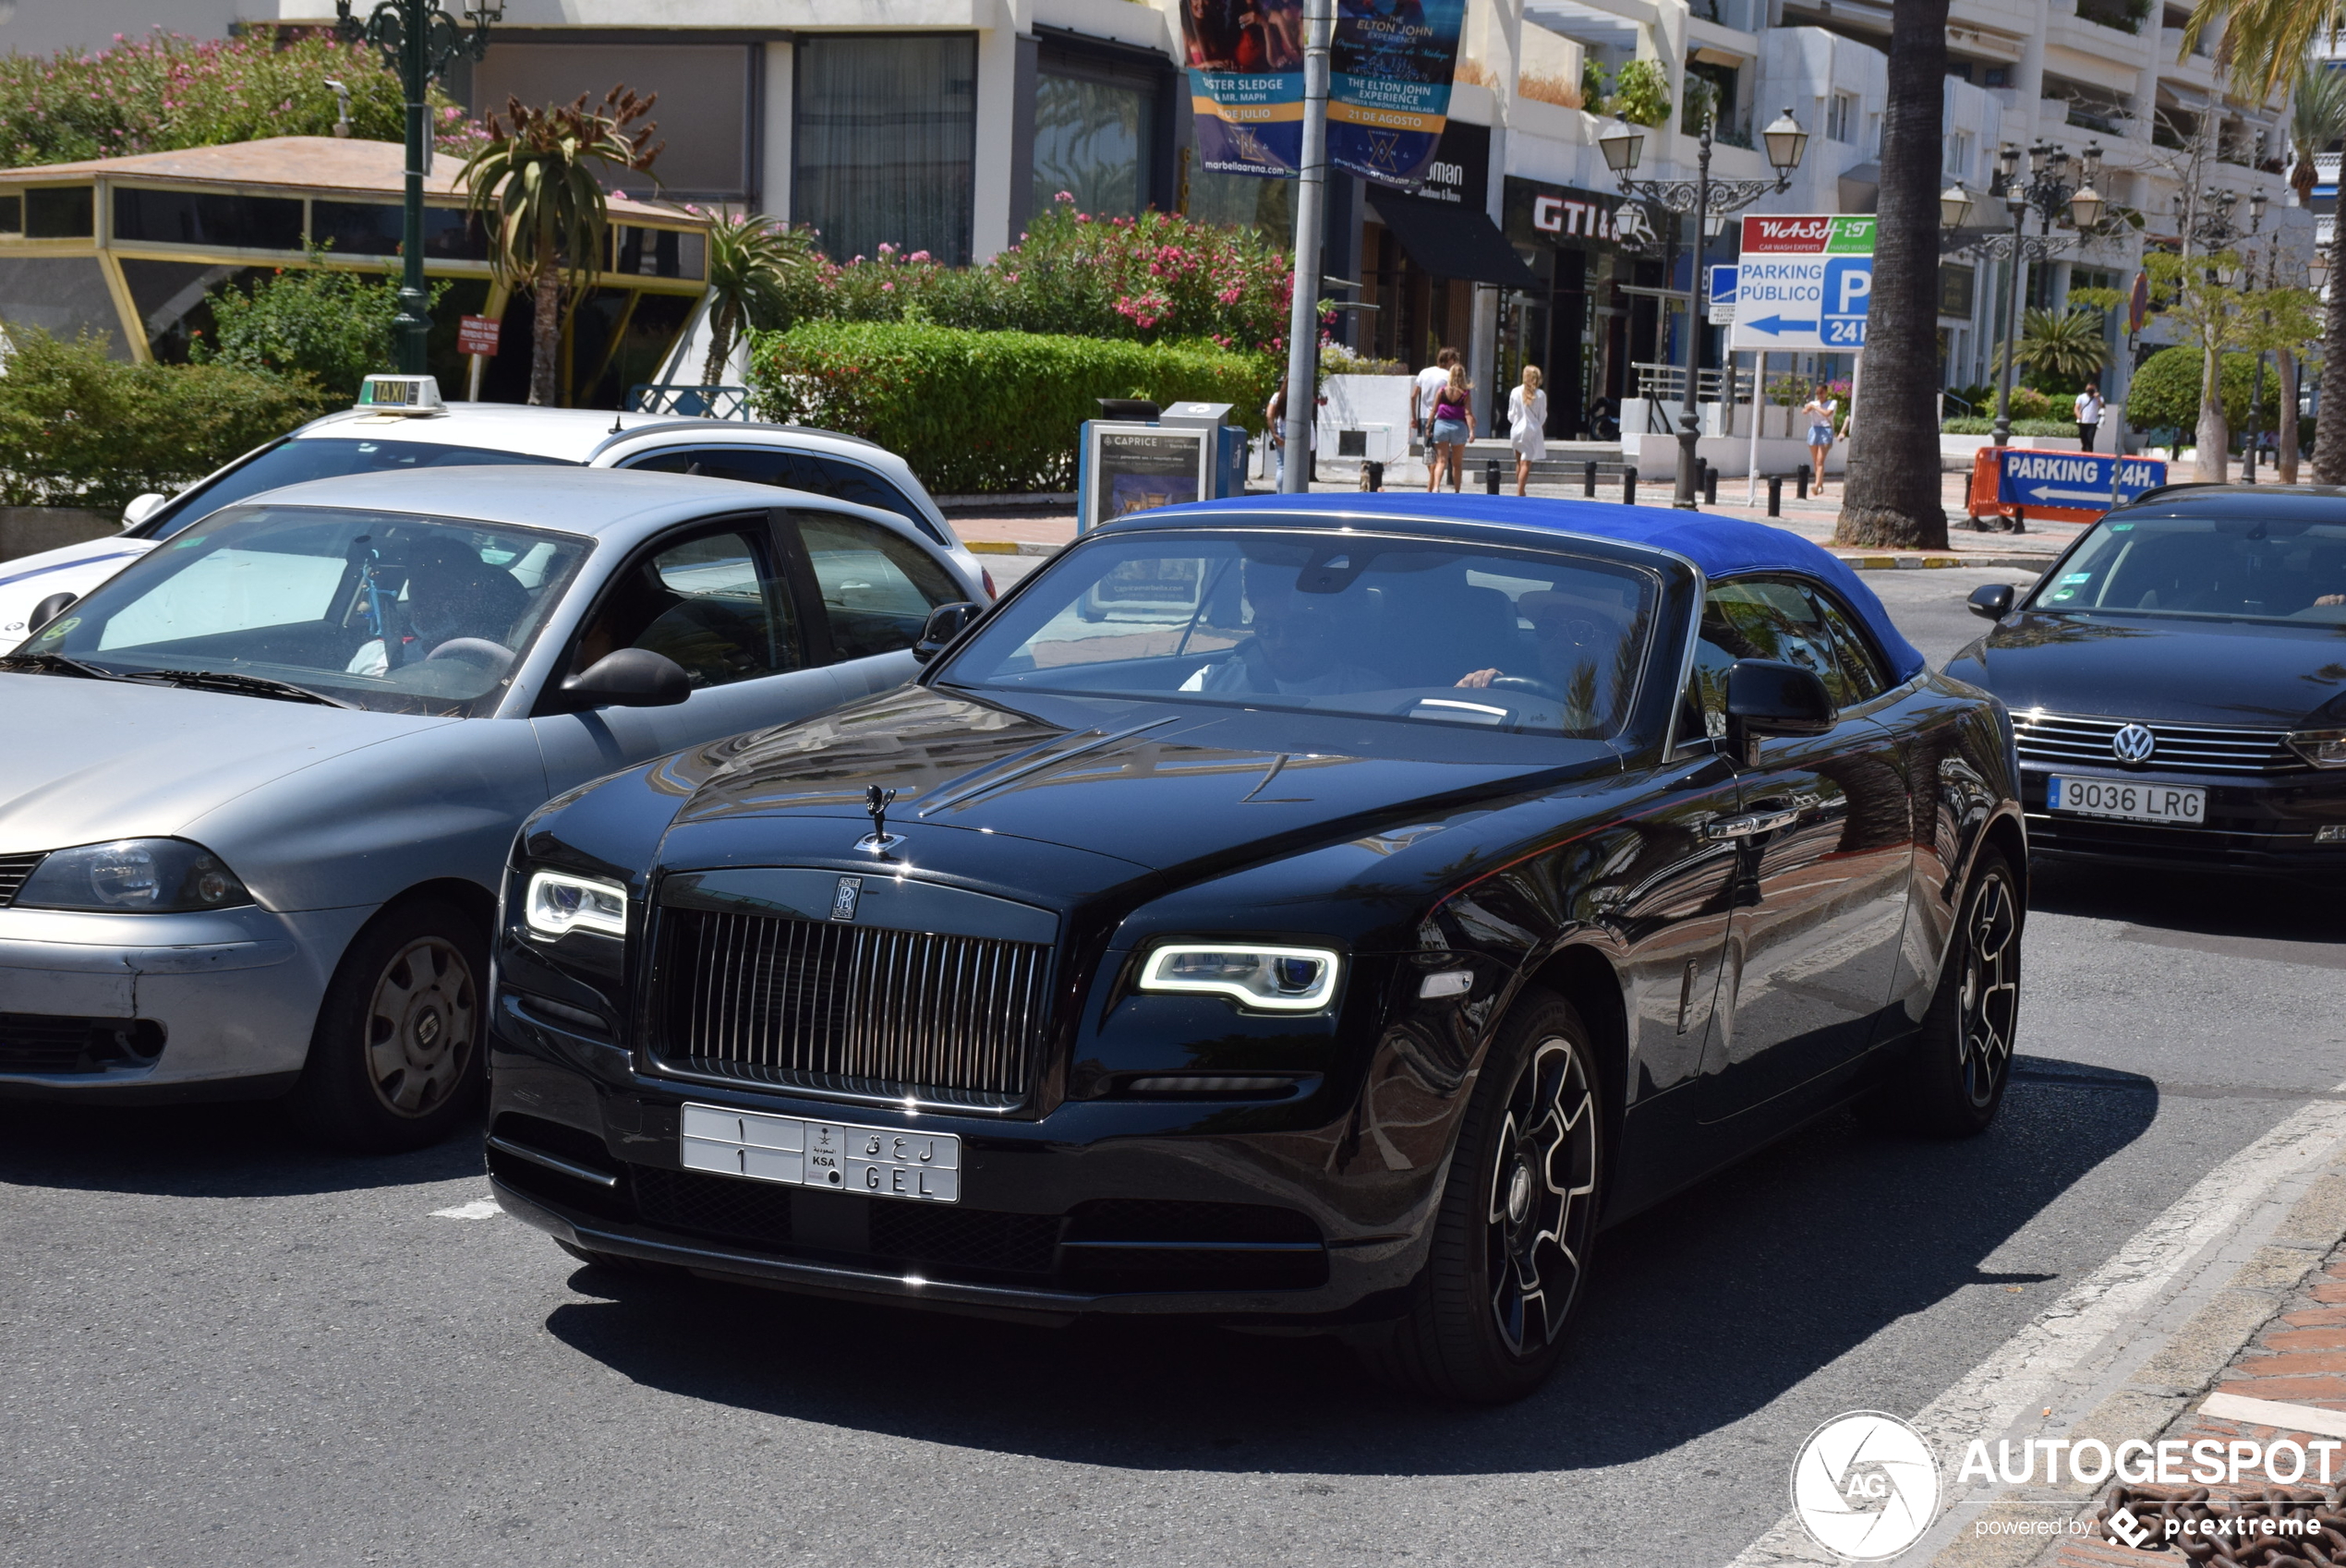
[132, 877]
[559, 903]
[2323, 748]
[1288, 979]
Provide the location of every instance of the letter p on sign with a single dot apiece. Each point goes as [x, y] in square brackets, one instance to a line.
[1848, 285]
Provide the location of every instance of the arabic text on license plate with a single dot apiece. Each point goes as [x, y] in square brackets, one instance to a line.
[879, 1161]
[2125, 798]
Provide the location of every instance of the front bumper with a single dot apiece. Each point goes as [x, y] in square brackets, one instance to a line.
[2263, 825]
[230, 998]
[1089, 1209]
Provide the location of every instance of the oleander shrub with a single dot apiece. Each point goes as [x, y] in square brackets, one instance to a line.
[79, 428]
[978, 412]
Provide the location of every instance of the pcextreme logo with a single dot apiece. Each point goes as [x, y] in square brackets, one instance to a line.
[1865, 1486]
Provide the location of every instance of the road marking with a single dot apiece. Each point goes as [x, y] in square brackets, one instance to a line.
[478, 1209]
[2273, 1413]
[2118, 1296]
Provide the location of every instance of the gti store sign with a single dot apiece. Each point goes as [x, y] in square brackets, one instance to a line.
[1572, 218]
[1804, 282]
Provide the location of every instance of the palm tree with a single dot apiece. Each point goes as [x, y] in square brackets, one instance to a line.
[2317, 122]
[2270, 46]
[750, 264]
[552, 217]
[1892, 493]
[2068, 345]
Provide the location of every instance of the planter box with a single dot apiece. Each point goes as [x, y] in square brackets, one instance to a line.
[29, 530]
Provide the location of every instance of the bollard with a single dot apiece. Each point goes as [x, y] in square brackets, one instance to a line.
[1775, 494]
[1589, 479]
[1629, 485]
[1709, 485]
[1376, 475]
[1490, 477]
[2248, 465]
[1800, 483]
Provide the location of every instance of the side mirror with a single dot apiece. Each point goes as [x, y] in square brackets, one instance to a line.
[1991, 601]
[629, 678]
[141, 508]
[945, 623]
[48, 609]
[1766, 697]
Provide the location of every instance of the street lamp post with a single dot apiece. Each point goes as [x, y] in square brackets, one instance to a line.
[2036, 179]
[419, 40]
[1698, 199]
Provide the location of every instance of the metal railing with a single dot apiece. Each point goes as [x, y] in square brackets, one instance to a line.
[690, 402]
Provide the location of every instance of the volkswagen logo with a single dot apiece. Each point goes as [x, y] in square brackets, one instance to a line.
[2134, 744]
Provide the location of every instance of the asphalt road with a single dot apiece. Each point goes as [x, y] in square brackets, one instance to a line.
[221, 1348]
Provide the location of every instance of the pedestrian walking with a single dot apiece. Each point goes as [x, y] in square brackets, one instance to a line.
[2089, 407]
[1527, 426]
[1431, 380]
[1275, 421]
[1819, 412]
[1453, 426]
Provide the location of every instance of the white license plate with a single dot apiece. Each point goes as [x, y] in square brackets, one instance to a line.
[2127, 798]
[878, 1162]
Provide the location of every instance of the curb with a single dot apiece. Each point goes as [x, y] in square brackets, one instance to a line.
[1010, 547]
[1021, 498]
[1918, 562]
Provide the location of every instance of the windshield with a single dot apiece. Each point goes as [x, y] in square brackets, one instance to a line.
[2206, 568]
[1418, 632]
[292, 461]
[380, 610]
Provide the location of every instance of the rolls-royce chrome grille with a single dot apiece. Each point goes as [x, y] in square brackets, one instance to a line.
[862, 1011]
[2175, 748]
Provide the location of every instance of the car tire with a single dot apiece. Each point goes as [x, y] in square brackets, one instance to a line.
[1510, 1244]
[1961, 1056]
[396, 1061]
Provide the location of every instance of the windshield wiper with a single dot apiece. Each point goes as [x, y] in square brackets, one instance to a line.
[57, 664]
[249, 685]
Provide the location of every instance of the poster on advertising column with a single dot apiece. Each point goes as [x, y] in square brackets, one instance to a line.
[1390, 68]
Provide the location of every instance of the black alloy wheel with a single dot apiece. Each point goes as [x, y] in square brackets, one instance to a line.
[1963, 1055]
[1510, 1248]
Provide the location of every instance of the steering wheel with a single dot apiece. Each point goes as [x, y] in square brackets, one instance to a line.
[480, 649]
[1525, 683]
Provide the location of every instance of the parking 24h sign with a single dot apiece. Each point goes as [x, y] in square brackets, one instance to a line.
[1803, 284]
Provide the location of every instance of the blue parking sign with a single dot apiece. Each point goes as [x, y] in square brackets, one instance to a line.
[1847, 294]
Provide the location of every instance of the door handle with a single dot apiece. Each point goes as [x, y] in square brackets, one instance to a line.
[1752, 824]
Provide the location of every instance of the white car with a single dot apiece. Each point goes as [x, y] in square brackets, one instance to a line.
[368, 440]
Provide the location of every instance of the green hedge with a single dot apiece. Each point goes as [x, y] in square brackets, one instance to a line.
[2164, 394]
[983, 412]
[79, 428]
[2019, 426]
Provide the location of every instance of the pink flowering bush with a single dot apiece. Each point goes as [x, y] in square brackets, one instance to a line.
[164, 92]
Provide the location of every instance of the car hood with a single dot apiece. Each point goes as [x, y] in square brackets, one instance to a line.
[73, 569]
[1154, 784]
[91, 760]
[2221, 673]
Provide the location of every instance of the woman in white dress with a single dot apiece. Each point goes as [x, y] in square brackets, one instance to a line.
[1527, 425]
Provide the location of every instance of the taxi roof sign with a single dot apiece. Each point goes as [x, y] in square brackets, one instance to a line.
[415, 396]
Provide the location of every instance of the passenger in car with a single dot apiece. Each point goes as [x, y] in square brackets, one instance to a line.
[1296, 650]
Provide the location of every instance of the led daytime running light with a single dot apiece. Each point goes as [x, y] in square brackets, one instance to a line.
[559, 903]
[1297, 980]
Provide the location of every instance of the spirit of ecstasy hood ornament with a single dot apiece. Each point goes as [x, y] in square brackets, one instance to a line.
[880, 840]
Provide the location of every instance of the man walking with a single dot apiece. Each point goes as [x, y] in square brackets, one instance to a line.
[1430, 381]
[2088, 415]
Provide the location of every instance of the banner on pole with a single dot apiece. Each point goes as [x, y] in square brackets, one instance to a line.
[1391, 63]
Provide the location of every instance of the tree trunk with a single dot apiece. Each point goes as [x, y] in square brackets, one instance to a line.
[2330, 430]
[2214, 436]
[720, 342]
[2286, 437]
[1891, 495]
[545, 333]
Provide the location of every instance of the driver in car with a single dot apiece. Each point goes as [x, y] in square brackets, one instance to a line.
[1575, 640]
[1295, 651]
[452, 598]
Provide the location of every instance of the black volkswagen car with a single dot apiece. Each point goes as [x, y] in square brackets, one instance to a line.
[2178, 682]
[1302, 913]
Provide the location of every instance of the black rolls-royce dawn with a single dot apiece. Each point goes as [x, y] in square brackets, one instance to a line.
[2178, 684]
[1299, 912]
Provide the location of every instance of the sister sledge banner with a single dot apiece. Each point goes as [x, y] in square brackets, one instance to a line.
[1389, 90]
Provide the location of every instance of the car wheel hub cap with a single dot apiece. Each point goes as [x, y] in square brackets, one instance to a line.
[420, 1026]
[1541, 1197]
[1988, 1005]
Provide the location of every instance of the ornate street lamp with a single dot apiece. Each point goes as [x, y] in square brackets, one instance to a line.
[2036, 179]
[1954, 207]
[1698, 199]
[419, 40]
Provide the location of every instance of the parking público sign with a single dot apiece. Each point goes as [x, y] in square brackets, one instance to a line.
[1804, 282]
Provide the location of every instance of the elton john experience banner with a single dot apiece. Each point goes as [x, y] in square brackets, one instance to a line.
[1390, 85]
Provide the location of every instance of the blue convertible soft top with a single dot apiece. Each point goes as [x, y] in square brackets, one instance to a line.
[1723, 547]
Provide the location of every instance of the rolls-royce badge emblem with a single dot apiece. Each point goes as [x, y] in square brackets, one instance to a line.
[880, 840]
[2133, 743]
[844, 898]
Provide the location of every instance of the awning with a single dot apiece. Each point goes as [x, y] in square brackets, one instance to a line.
[1451, 241]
